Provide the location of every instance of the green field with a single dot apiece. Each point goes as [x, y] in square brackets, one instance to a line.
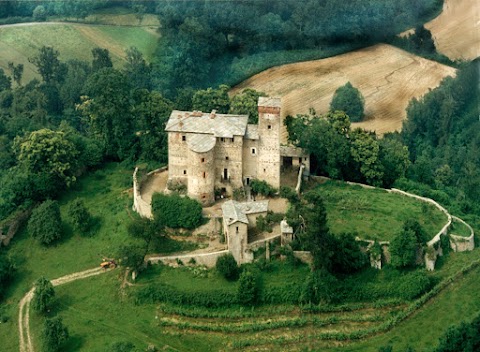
[459, 229]
[106, 193]
[98, 313]
[73, 41]
[374, 213]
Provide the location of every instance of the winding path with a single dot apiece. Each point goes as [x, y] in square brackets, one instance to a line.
[25, 337]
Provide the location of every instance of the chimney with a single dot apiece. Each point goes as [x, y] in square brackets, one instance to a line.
[213, 114]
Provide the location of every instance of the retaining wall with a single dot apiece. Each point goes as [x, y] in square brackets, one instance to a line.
[142, 207]
[460, 243]
[207, 259]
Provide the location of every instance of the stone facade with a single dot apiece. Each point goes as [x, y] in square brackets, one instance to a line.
[211, 152]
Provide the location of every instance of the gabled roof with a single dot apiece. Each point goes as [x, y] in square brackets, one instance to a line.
[252, 132]
[234, 211]
[218, 125]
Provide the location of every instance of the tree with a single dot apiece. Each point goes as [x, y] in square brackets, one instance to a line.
[101, 59]
[48, 65]
[403, 249]
[246, 103]
[248, 290]
[394, 159]
[45, 223]
[108, 107]
[349, 99]
[39, 13]
[149, 231]
[212, 99]
[7, 271]
[79, 215]
[54, 334]
[463, 337]
[137, 70]
[151, 111]
[227, 266]
[131, 256]
[365, 151]
[17, 72]
[422, 40]
[347, 257]
[50, 152]
[43, 295]
[317, 237]
[319, 287]
[5, 81]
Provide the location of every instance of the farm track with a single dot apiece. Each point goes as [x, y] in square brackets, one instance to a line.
[25, 339]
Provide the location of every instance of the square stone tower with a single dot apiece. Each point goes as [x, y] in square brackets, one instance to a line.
[269, 129]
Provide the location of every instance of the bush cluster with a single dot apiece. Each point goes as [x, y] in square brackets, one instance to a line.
[176, 212]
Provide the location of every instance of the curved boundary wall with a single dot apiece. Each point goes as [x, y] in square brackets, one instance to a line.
[143, 208]
[207, 259]
[457, 243]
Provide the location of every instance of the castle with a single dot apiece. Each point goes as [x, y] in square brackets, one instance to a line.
[213, 153]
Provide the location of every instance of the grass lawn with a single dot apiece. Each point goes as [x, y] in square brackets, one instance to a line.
[73, 41]
[459, 229]
[107, 195]
[374, 213]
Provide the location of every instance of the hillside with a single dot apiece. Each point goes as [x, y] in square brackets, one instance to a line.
[73, 41]
[457, 29]
[388, 78]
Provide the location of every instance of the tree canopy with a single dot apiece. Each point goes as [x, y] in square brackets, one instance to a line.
[349, 99]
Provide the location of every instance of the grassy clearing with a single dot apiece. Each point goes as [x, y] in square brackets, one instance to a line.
[374, 213]
[73, 41]
[459, 229]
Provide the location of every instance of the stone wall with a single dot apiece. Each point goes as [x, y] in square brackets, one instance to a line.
[207, 259]
[139, 205]
[460, 243]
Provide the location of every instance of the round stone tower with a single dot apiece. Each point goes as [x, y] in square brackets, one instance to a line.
[201, 168]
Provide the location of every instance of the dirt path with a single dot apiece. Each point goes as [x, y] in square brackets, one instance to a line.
[25, 339]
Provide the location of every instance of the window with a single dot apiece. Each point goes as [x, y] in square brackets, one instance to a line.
[305, 159]
[225, 174]
[222, 139]
[226, 158]
[184, 138]
[269, 127]
[237, 229]
[203, 160]
[184, 172]
[264, 170]
[299, 160]
[254, 151]
[204, 174]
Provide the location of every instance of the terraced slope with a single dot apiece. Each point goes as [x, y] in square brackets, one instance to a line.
[388, 78]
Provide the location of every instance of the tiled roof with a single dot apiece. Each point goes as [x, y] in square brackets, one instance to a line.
[289, 150]
[201, 143]
[218, 125]
[234, 211]
[252, 132]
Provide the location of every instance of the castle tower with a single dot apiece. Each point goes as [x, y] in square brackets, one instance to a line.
[201, 170]
[269, 129]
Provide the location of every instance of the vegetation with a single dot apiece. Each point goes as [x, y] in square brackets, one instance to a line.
[349, 100]
[79, 215]
[54, 334]
[43, 295]
[463, 337]
[262, 187]
[227, 266]
[45, 224]
[176, 212]
[247, 292]
[6, 272]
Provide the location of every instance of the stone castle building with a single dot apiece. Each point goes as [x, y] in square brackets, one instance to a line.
[217, 153]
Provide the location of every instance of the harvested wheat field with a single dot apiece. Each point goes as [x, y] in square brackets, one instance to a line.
[457, 29]
[388, 78]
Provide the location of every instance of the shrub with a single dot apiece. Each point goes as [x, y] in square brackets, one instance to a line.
[176, 212]
[227, 266]
[122, 346]
[262, 187]
[80, 217]
[45, 224]
[248, 290]
[43, 295]
[414, 285]
[403, 249]
[319, 287]
[347, 257]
